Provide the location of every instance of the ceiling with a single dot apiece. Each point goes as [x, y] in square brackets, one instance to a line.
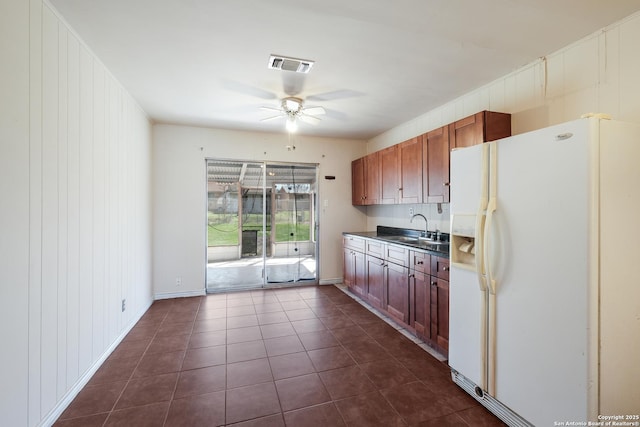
[379, 63]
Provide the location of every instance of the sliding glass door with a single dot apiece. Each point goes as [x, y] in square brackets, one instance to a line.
[261, 224]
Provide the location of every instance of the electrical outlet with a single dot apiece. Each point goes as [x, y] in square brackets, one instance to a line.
[410, 211]
[124, 305]
[178, 281]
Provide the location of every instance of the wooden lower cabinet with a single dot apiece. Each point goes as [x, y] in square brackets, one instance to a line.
[415, 294]
[440, 303]
[429, 309]
[397, 292]
[354, 271]
[375, 281]
[420, 303]
[439, 312]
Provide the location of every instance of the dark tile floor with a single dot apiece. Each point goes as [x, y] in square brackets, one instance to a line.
[308, 356]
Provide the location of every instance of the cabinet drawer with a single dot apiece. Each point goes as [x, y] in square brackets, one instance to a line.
[440, 267]
[397, 254]
[375, 248]
[420, 261]
[355, 243]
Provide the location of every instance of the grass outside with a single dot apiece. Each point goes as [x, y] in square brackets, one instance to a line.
[223, 228]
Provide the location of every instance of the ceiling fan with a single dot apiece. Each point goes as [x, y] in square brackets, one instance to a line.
[292, 108]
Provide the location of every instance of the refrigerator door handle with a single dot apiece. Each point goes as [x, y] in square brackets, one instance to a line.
[479, 259]
[491, 282]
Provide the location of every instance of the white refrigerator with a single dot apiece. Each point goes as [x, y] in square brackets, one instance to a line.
[545, 274]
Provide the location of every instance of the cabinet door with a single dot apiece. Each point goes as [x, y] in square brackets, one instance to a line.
[372, 179]
[348, 270]
[359, 274]
[481, 127]
[420, 304]
[397, 292]
[466, 132]
[358, 182]
[435, 151]
[389, 175]
[410, 157]
[375, 281]
[354, 271]
[440, 313]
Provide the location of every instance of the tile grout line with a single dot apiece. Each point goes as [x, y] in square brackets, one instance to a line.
[335, 303]
[115, 403]
[175, 387]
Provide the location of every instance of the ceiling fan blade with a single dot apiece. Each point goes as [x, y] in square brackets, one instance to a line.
[248, 90]
[314, 111]
[272, 118]
[309, 119]
[334, 95]
[271, 108]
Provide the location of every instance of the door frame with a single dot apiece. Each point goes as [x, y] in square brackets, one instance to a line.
[314, 226]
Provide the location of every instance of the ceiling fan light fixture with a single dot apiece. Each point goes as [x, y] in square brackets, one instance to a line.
[292, 105]
[291, 124]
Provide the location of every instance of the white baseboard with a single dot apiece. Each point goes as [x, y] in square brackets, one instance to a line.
[330, 281]
[167, 295]
[66, 400]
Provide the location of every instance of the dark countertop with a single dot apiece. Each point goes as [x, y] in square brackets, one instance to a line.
[389, 235]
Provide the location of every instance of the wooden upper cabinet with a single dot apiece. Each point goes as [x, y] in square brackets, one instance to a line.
[481, 127]
[358, 191]
[410, 157]
[435, 158]
[389, 175]
[365, 181]
[372, 179]
[417, 170]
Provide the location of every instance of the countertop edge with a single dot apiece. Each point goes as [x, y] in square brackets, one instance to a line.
[375, 236]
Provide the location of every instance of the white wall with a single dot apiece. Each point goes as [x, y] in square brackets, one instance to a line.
[179, 197]
[596, 74]
[75, 213]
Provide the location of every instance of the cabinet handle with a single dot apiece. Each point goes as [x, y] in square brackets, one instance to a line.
[445, 268]
[446, 184]
[420, 262]
[412, 275]
[434, 283]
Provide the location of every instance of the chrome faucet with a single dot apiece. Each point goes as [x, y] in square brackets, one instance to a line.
[426, 223]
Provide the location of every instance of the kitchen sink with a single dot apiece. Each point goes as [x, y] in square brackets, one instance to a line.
[433, 242]
[403, 239]
[435, 246]
[419, 242]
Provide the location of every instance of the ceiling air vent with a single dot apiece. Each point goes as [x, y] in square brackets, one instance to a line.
[290, 64]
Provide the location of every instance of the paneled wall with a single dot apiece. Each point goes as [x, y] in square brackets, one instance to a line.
[76, 213]
[596, 74]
